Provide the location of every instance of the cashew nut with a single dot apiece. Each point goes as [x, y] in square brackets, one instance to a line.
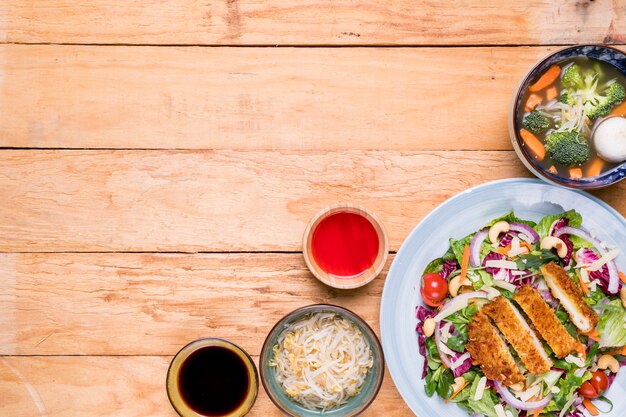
[551, 242]
[496, 229]
[608, 362]
[517, 387]
[454, 286]
[459, 382]
[429, 327]
[622, 295]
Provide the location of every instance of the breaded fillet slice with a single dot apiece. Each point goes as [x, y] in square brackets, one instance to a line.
[545, 321]
[567, 292]
[519, 334]
[491, 352]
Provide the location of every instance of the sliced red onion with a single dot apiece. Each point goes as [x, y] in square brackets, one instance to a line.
[514, 402]
[457, 303]
[444, 358]
[613, 276]
[477, 242]
[525, 229]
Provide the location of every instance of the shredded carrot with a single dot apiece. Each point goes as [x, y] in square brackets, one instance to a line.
[595, 168]
[590, 407]
[619, 110]
[464, 264]
[583, 286]
[619, 351]
[538, 411]
[622, 276]
[551, 93]
[582, 352]
[575, 173]
[533, 101]
[527, 246]
[546, 79]
[457, 391]
[533, 144]
[594, 335]
[504, 250]
[553, 170]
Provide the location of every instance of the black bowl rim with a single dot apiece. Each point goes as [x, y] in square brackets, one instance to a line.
[313, 308]
[582, 184]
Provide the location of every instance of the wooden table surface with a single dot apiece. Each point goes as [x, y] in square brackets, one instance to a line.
[160, 159]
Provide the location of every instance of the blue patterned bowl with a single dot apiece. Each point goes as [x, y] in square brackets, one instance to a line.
[600, 52]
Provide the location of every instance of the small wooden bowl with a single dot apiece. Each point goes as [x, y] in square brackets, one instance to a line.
[346, 282]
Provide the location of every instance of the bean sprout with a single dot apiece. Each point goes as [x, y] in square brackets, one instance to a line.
[321, 360]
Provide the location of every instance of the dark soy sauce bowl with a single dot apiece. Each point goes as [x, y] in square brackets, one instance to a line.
[610, 55]
[235, 370]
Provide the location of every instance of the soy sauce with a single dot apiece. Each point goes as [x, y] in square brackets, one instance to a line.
[213, 381]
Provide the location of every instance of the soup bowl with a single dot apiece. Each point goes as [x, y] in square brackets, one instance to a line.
[603, 53]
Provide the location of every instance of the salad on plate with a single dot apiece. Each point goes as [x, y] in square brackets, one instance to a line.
[524, 319]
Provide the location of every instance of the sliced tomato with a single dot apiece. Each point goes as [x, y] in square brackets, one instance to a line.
[587, 390]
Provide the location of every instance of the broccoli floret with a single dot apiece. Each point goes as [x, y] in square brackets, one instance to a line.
[598, 100]
[567, 148]
[612, 95]
[536, 122]
[566, 97]
[572, 77]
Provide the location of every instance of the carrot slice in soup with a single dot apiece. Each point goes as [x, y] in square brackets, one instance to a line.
[546, 79]
[553, 170]
[595, 168]
[619, 110]
[533, 144]
[533, 101]
[575, 173]
[551, 93]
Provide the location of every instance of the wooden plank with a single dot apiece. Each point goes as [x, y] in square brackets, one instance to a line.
[259, 98]
[103, 304]
[223, 200]
[153, 304]
[220, 200]
[127, 386]
[321, 22]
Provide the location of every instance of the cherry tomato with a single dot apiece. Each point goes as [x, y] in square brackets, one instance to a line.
[434, 289]
[599, 381]
[587, 390]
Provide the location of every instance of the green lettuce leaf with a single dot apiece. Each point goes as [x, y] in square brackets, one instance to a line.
[611, 325]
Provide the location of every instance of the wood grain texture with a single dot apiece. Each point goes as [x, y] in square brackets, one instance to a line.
[320, 22]
[128, 386]
[224, 200]
[220, 200]
[153, 304]
[259, 98]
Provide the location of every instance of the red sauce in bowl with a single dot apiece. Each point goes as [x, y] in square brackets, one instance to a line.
[344, 244]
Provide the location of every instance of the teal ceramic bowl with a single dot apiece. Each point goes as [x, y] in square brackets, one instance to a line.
[355, 405]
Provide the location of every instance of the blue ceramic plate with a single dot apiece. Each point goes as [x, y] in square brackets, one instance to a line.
[457, 217]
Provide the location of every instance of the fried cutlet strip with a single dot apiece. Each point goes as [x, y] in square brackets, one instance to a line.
[491, 352]
[519, 334]
[545, 321]
[567, 292]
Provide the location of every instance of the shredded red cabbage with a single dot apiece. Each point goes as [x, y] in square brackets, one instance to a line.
[565, 238]
[586, 256]
[422, 314]
[498, 273]
[448, 268]
[463, 368]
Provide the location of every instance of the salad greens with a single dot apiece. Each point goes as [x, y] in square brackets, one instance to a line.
[502, 267]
